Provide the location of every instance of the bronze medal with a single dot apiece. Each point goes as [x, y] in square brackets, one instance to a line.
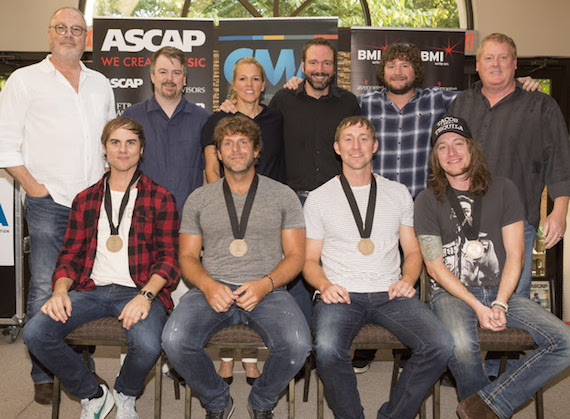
[366, 246]
[238, 248]
[474, 249]
[114, 244]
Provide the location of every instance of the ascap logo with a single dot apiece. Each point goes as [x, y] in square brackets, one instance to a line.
[3, 220]
[126, 83]
[135, 40]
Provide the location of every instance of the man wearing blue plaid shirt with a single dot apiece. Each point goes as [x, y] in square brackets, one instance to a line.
[403, 114]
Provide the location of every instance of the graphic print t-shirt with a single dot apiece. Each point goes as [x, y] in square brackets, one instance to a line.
[501, 206]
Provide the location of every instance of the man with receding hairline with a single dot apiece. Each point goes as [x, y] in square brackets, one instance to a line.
[51, 117]
[524, 137]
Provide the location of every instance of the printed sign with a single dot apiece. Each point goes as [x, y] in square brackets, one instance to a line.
[122, 49]
[277, 43]
[442, 52]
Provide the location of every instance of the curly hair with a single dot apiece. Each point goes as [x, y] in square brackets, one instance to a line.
[404, 52]
[477, 172]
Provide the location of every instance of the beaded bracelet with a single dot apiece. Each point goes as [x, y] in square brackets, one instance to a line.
[501, 304]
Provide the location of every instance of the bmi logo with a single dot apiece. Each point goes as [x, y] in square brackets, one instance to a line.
[3, 220]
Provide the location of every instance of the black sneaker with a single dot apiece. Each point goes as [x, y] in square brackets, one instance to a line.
[224, 414]
[259, 414]
[361, 366]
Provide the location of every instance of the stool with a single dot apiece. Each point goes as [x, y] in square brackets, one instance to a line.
[239, 336]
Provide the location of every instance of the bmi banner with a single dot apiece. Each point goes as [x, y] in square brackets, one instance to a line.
[6, 219]
[442, 52]
[276, 43]
[122, 48]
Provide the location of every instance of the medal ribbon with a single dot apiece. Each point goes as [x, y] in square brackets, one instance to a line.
[471, 231]
[366, 228]
[238, 229]
[124, 201]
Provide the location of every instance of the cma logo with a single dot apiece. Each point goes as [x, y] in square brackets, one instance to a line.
[375, 55]
[285, 64]
[135, 40]
[126, 83]
[3, 220]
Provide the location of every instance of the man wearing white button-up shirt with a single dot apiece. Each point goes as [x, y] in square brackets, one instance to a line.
[51, 118]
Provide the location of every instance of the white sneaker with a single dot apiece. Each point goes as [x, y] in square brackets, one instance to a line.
[97, 408]
[126, 408]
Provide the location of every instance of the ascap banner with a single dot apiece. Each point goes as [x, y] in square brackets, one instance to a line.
[442, 52]
[6, 219]
[276, 43]
[122, 48]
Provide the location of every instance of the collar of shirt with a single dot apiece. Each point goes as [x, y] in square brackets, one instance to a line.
[153, 106]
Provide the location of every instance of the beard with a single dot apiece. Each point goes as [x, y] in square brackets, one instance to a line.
[319, 85]
[402, 90]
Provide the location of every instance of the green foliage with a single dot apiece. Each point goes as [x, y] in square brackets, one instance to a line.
[388, 13]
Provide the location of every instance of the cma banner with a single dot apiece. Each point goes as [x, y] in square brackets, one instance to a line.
[442, 52]
[276, 43]
[6, 219]
[122, 49]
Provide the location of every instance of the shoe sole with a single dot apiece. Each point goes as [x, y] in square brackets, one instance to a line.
[361, 370]
[109, 405]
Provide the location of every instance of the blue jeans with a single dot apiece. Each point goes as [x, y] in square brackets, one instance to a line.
[523, 287]
[47, 222]
[44, 338]
[523, 377]
[410, 320]
[298, 287]
[277, 319]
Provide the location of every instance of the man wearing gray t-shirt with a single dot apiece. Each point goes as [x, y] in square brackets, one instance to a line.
[252, 233]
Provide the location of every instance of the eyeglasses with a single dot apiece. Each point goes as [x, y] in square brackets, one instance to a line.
[62, 29]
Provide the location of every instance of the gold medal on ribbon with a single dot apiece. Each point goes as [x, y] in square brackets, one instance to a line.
[474, 249]
[366, 246]
[114, 244]
[238, 248]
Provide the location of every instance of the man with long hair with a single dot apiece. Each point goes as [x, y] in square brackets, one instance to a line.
[468, 286]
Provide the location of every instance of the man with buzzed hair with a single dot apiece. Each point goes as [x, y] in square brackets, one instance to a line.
[51, 117]
[173, 155]
[355, 223]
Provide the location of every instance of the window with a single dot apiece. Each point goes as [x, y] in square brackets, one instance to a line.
[387, 13]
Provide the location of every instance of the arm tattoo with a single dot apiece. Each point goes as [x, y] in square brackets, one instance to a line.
[431, 247]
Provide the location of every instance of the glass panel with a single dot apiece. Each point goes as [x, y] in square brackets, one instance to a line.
[395, 13]
[3, 78]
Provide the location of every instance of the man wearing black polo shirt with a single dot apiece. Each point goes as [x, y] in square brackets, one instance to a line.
[311, 114]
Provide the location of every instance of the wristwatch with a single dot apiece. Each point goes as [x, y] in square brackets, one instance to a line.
[149, 295]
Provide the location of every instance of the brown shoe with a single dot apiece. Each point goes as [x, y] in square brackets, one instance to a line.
[473, 407]
[43, 393]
